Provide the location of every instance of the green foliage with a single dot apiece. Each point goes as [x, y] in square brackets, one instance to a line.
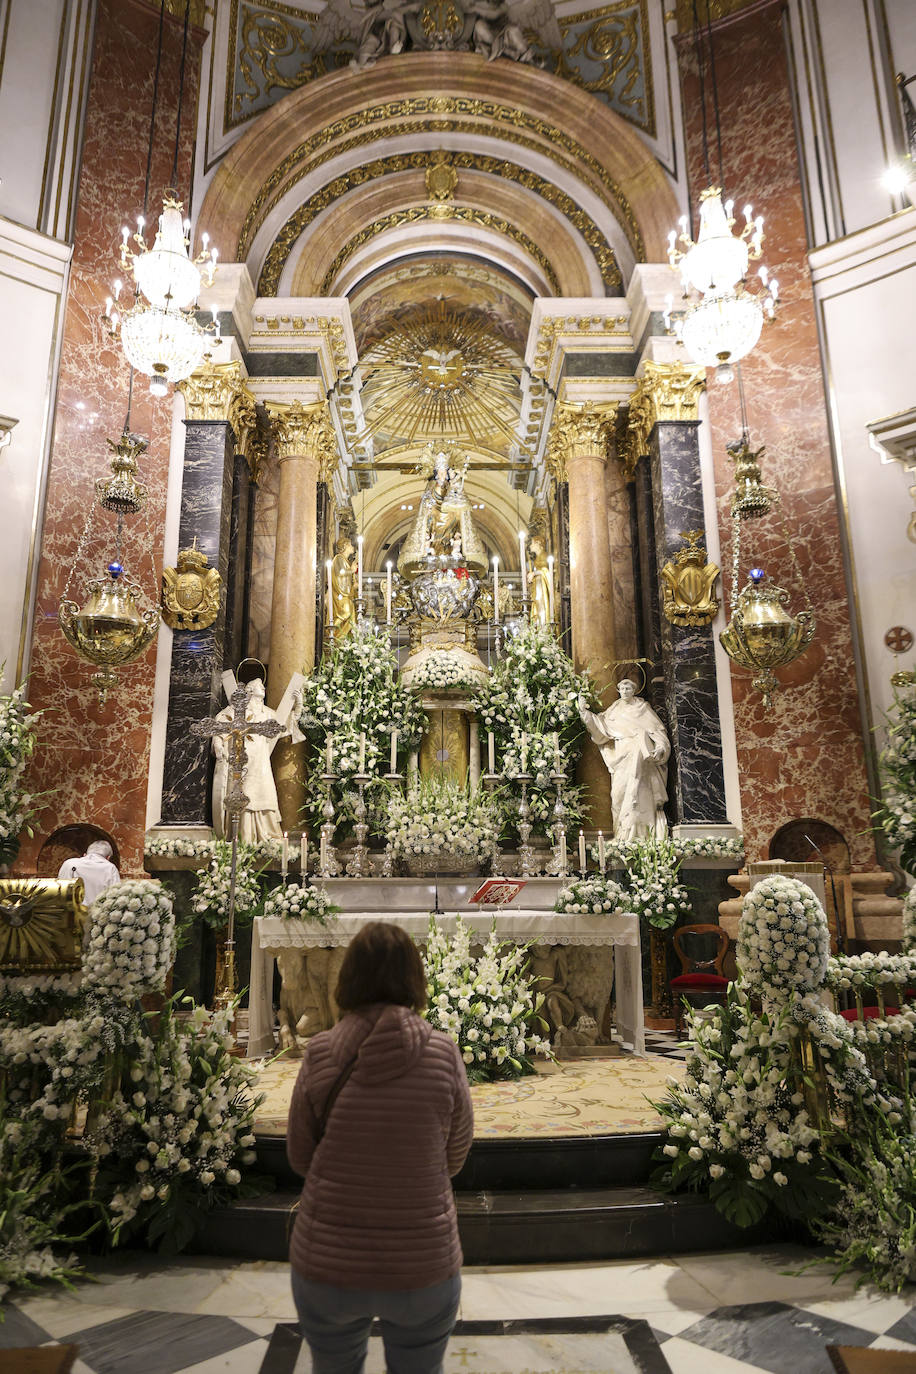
[17, 744]
[211, 895]
[653, 887]
[896, 815]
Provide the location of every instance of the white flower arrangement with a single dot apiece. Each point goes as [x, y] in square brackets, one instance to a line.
[294, 903]
[131, 943]
[174, 847]
[32, 1214]
[783, 939]
[896, 816]
[436, 815]
[485, 1002]
[211, 893]
[618, 854]
[28, 997]
[909, 921]
[849, 972]
[595, 894]
[17, 744]
[439, 671]
[654, 890]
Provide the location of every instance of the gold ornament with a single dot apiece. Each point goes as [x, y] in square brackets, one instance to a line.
[109, 631]
[688, 581]
[761, 634]
[190, 592]
[441, 178]
[121, 492]
[41, 924]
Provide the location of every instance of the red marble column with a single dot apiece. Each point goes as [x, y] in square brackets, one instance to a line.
[805, 757]
[92, 761]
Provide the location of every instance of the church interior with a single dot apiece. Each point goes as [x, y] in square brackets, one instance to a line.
[459, 462]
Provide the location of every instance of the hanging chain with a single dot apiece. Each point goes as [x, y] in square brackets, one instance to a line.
[80, 548]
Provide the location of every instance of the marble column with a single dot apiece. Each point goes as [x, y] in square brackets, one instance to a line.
[306, 453]
[578, 454]
[217, 405]
[663, 422]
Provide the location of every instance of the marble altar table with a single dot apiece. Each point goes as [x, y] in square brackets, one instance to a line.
[408, 903]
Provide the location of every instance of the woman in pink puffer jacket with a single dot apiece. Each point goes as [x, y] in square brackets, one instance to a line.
[379, 1121]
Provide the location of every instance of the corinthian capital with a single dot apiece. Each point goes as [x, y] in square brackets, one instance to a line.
[215, 392]
[665, 391]
[305, 431]
[579, 431]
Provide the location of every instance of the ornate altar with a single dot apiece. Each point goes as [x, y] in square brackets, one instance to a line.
[41, 925]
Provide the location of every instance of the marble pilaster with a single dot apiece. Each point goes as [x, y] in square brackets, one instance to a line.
[578, 453]
[306, 453]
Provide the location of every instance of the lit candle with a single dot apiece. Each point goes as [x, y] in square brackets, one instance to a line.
[304, 853]
[495, 594]
[601, 853]
[491, 751]
[394, 752]
[523, 751]
[284, 856]
[523, 559]
[557, 761]
[359, 567]
[550, 586]
[362, 751]
[583, 862]
[330, 616]
[329, 754]
[388, 600]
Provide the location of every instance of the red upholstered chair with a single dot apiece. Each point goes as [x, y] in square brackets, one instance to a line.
[869, 1013]
[701, 950]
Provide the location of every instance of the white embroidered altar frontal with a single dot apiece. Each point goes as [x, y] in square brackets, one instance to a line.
[272, 934]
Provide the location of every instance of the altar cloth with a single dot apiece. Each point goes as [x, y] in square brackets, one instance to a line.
[272, 934]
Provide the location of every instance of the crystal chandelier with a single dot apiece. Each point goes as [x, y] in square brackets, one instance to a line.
[160, 332]
[723, 320]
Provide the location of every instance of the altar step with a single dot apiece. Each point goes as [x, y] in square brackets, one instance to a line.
[511, 1227]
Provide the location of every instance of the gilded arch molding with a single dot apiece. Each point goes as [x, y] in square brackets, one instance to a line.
[505, 101]
[341, 186]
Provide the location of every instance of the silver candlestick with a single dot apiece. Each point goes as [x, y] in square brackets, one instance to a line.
[525, 852]
[559, 863]
[328, 866]
[358, 866]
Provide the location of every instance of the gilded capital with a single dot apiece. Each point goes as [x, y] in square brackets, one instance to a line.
[578, 431]
[665, 391]
[215, 392]
[305, 431]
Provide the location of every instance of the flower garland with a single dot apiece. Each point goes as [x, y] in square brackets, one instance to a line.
[596, 894]
[212, 890]
[783, 938]
[439, 671]
[848, 972]
[485, 1002]
[909, 921]
[33, 997]
[174, 847]
[131, 944]
[618, 854]
[896, 816]
[17, 744]
[294, 903]
[437, 815]
[653, 888]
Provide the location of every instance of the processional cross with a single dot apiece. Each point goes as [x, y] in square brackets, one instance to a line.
[236, 731]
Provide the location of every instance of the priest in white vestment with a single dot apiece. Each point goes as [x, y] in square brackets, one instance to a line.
[635, 747]
[94, 867]
[260, 821]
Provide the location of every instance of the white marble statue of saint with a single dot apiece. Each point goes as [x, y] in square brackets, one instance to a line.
[635, 747]
[260, 820]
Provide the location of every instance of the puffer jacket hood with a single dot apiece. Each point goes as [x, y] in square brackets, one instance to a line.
[388, 1040]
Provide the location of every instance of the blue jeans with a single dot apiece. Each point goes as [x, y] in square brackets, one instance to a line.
[416, 1324]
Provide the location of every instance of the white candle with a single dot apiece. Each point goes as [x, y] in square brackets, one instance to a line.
[362, 751]
[523, 559]
[394, 752]
[304, 853]
[495, 594]
[329, 754]
[583, 862]
[323, 854]
[550, 586]
[562, 851]
[491, 751]
[330, 614]
[523, 751]
[284, 856]
[601, 853]
[557, 761]
[388, 600]
[359, 566]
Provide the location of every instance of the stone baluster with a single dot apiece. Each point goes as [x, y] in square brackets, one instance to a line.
[577, 454]
[216, 400]
[307, 455]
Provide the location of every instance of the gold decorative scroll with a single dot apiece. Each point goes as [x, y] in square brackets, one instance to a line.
[190, 591]
[305, 431]
[687, 582]
[665, 391]
[578, 431]
[217, 391]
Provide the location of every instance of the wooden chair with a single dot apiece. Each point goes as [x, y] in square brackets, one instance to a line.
[701, 950]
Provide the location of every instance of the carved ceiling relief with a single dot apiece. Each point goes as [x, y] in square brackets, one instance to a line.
[277, 47]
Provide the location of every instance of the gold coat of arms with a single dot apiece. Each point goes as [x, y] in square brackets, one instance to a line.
[190, 591]
[687, 582]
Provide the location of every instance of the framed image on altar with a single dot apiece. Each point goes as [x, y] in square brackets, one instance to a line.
[498, 891]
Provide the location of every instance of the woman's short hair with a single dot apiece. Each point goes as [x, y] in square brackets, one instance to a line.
[382, 964]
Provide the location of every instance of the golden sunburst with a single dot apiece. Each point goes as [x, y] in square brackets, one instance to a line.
[442, 373]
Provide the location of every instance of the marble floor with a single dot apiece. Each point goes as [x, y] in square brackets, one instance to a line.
[730, 1313]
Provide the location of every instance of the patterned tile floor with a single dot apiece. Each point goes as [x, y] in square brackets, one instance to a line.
[740, 1312]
